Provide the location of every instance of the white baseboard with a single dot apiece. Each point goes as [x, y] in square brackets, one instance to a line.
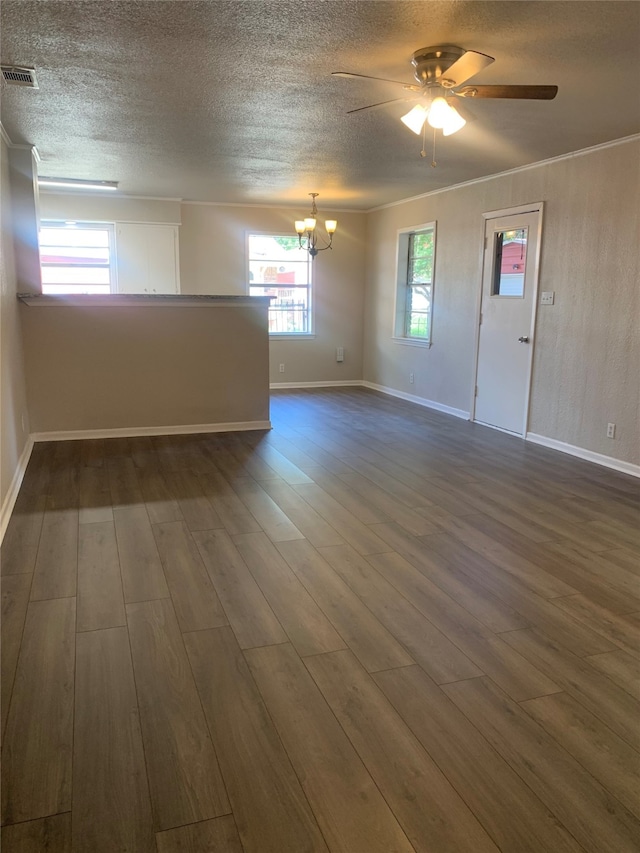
[362, 383]
[322, 384]
[133, 432]
[588, 455]
[10, 498]
[420, 401]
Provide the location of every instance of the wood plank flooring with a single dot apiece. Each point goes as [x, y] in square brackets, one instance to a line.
[372, 629]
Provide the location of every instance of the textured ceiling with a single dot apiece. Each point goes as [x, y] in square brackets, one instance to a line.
[234, 101]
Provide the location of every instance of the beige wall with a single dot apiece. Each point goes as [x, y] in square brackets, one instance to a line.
[106, 208]
[133, 366]
[213, 261]
[587, 345]
[23, 172]
[14, 427]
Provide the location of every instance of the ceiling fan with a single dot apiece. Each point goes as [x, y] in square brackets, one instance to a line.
[440, 73]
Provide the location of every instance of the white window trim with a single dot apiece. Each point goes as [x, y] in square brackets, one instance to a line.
[281, 336]
[412, 342]
[96, 225]
[402, 249]
[292, 336]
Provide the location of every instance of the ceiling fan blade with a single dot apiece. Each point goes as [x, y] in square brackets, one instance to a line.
[380, 104]
[538, 93]
[470, 63]
[367, 77]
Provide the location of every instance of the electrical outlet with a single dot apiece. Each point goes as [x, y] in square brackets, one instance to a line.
[411, 377]
[339, 353]
[611, 430]
[281, 368]
[546, 298]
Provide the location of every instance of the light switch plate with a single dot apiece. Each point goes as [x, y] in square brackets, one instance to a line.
[547, 297]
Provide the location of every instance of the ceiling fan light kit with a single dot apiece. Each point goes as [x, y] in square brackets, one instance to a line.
[454, 122]
[442, 70]
[415, 118]
[306, 230]
[439, 114]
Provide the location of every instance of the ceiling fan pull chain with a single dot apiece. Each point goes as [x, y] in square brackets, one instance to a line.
[433, 161]
[423, 152]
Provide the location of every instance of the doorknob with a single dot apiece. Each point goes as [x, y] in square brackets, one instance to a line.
[523, 340]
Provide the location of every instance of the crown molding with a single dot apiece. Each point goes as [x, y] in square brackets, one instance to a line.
[14, 145]
[296, 205]
[569, 156]
[560, 157]
[64, 191]
[275, 205]
[5, 136]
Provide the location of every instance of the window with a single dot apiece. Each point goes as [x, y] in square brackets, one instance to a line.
[279, 268]
[414, 291]
[510, 258]
[77, 257]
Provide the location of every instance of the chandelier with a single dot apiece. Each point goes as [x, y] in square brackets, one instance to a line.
[306, 229]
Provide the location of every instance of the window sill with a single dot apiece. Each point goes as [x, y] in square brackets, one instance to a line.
[294, 336]
[411, 342]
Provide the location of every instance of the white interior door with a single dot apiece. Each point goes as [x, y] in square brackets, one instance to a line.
[507, 320]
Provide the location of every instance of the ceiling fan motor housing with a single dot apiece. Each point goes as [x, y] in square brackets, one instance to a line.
[431, 63]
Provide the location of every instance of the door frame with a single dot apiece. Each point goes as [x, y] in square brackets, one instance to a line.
[533, 207]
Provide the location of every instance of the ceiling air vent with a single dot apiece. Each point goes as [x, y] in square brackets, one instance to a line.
[16, 75]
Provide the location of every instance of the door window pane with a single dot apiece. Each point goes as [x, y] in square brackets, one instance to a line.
[510, 257]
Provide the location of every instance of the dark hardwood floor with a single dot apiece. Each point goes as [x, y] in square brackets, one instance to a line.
[375, 628]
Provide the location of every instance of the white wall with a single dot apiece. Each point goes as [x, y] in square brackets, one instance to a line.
[14, 426]
[587, 345]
